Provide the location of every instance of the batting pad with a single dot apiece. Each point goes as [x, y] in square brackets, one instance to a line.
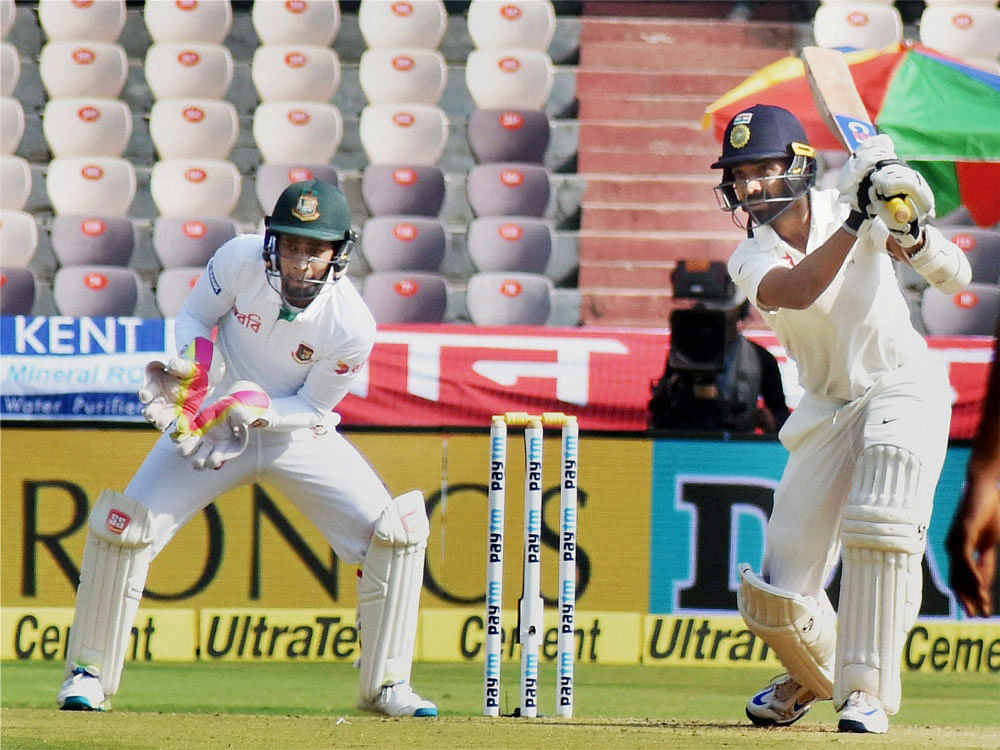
[389, 593]
[881, 580]
[802, 630]
[112, 576]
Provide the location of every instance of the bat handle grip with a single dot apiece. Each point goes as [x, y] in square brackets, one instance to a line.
[901, 209]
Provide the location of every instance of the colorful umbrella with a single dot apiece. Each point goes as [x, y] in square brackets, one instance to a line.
[943, 115]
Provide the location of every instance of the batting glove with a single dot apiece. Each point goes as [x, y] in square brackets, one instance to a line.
[897, 180]
[221, 431]
[176, 390]
[856, 170]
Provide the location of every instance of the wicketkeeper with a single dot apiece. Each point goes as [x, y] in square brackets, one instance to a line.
[256, 405]
[868, 439]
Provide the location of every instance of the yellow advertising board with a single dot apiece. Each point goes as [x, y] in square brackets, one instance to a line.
[253, 549]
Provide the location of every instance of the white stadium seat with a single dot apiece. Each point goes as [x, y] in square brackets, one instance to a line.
[11, 124]
[403, 75]
[18, 238]
[302, 72]
[10, 68]
[8, 14]
[15, 176]
[969, 32]
[297, 22]
[188, 20]
[509, 78]
[82, 126]
[526, 23]
[412, 134]
[416, 23]
[195, 187]
[860, 25]
[83, 68]
[173, 286]
[68, 20]
[297, 131]
[178, 69]
[91, 185]
[193, 127]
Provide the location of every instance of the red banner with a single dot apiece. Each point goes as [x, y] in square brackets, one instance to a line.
[456, 376]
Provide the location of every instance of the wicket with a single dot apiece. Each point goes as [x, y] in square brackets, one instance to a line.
[530, 607]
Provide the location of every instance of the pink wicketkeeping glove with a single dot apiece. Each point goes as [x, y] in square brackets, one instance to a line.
[176, 390]
[221, 431]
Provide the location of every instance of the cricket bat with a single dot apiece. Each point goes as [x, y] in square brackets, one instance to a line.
[842, 110]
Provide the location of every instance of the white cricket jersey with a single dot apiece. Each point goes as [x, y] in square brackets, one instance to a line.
[857, 329]
[306, 364]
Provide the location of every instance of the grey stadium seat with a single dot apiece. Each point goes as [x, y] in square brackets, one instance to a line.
[96, 290]
[406, 297]
[173, 286]
[17, 291]
[401, 189]
[397, 243]
[190, 241]
[92, 240]
[970, 312]
[510, 243]
[982, 250]
[508, 189]
[271, 179]
[509, 299]
[518, 135]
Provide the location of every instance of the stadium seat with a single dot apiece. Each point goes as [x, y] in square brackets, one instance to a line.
[982, 249]
[17, 290]
[413, 134]
[91, 185]
[509, 299]
[510, 243]
[8, 14]
[416, 190]
[860, 25]
[195, 187]
[404, 243]
[190, 241]
[188, 20]
[83, 68]
[92, 240]
[18, 238]
[11, 124]
[301, 72]
[402, 75]
[417, 23]
[970, 312]
[297, 131]
[10, 68]
[271, 179]
[967, 31]
[508, 135]
[68, 20]
[509, 78]
[182, 128]
[508, 189]
[15, 176]
[527, 23]
[82, 291]
[173, 285]
[297, 22]
[180, 69]
[406, 296]
[87, 126]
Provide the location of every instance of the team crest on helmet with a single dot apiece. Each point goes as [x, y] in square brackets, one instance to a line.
[740, 136]
[307, 207]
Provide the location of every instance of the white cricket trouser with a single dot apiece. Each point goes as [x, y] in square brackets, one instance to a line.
[909, 408]
[321, 473]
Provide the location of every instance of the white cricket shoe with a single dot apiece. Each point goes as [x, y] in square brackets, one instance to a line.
[781, 703]
[398, 700]
[863, 713]
[82, 692]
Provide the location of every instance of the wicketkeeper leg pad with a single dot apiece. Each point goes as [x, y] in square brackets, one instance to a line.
[880, 590]
[389, 593]
[112, 577]
[802, 630]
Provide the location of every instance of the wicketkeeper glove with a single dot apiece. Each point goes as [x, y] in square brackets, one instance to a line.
[858, 168]
[176, 390]
[897, 180]
[221, 431]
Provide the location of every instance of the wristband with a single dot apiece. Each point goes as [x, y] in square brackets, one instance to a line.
[853, 222]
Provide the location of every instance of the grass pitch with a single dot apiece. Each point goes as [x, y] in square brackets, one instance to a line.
[286, 706]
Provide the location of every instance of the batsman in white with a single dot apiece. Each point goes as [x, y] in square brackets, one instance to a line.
[868, 438]
[257, 405]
